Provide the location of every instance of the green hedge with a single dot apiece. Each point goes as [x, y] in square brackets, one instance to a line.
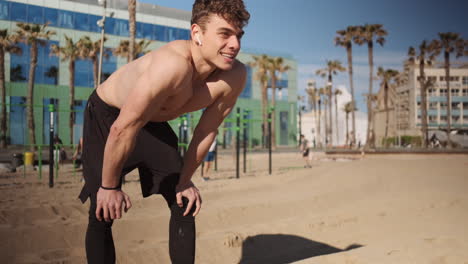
[415, 141]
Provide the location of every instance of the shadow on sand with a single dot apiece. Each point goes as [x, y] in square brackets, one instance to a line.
[279, 249]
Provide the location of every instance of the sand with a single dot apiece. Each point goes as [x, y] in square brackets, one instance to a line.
[373, 209]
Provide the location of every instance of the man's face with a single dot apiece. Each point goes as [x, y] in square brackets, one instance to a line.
[221, 42]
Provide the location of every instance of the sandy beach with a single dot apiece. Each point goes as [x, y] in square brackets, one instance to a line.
[404, 208]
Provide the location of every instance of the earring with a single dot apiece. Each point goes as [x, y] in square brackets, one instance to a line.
[199, 41]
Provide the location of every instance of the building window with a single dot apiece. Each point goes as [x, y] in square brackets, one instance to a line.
[432, 119]
[18, 12]
[455, 92]
[465, 92]
[443, 92]
[465, 80]
[81, 22]
[4, 10]
[465, 105]
[65, 19]
[160, 33]
[93, 26]
[121, 27]
[247, 92]
[144, 30]
[51, 16]
[433, 105]
[35, 14]
[443, 105]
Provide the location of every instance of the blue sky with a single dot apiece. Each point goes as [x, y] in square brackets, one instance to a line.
[305, 30]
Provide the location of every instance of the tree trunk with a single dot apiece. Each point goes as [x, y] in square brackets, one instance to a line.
[273, 116]
[386, 111]
[314, 105]
[95, 70]
[422, 83]
[330, 123]
[264, 112]
[132, 28]
[449, 98]
[71, 68]
[347, 131]
[30, 97]
[3, 114]
[319, 125]
[336, 120]
[351, 85]
[325, 121]
[369, 139]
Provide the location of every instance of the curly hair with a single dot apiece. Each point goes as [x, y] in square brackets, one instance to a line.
[233, 11]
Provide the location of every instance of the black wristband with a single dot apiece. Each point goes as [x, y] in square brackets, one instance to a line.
[110, 188]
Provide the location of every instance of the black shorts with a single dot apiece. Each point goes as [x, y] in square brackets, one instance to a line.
[305, 153]
[155, 153]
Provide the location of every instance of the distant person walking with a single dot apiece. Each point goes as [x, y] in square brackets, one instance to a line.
[305, 151]
[209, 160]
[59, 152]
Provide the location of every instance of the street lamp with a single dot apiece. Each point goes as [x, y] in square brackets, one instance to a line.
[101, 23]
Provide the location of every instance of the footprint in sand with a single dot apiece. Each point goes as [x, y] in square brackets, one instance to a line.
[233, 240]
[55, 255]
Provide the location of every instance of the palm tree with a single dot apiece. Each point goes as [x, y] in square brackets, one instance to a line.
[275, 66]
[312, 92]
[344, 39]
[33, 35]
[423, 58]
[261, 63]
[323, 92]
[90, 49]
[336, 94]
[349, 107]
[132, 28]
[367, 34]
[333, 67]
[387, 77]
[71, 51]
[449, 43]
[373, 98]
[123, 50]
[7, 45]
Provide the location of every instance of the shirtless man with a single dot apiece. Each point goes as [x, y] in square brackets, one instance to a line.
[126, 126]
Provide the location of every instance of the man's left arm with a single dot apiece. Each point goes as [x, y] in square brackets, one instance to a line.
[205, 133]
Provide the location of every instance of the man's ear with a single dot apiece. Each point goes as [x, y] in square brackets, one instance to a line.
[195, 33]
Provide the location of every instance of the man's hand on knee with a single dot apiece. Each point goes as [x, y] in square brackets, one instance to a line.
[190, 192]
[111, 202]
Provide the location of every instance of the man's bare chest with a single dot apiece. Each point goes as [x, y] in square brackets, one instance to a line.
[187, 99]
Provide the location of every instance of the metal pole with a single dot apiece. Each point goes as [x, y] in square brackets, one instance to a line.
[185, 132]
[180, 137]
[103, 20]
[216, 156]
[51, 146]
[237, 141]
[300, 125]
[40, 162]
[244, 122]
[269, 143]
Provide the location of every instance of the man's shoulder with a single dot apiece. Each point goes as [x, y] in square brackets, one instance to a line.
[173, 54]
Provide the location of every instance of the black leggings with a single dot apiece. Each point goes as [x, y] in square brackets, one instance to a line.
[100, 244]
